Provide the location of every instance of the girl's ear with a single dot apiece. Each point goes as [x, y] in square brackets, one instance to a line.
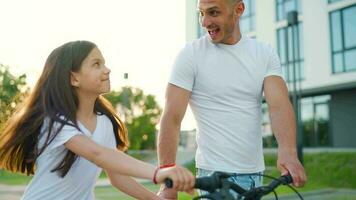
[73, 79]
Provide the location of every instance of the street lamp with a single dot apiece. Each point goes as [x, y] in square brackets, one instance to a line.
[292, 22]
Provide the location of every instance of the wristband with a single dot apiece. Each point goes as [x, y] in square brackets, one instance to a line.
[154, 179]
[167, 165]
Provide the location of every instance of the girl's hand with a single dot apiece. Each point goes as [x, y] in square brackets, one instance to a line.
[183, 179]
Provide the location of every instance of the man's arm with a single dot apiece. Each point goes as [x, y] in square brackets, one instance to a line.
[175, 106]
[284, 128]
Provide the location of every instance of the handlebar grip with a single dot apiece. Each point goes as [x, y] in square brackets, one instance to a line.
[286, 179]
[168, 182]
[208, 183]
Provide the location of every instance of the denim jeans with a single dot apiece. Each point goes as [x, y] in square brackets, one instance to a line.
[246, 181]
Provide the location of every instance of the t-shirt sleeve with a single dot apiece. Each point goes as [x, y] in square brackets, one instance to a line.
[274, 64]
[65, 134]
[183, 73]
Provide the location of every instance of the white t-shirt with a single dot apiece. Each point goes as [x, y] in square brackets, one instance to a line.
[226, 84]
[80, 180]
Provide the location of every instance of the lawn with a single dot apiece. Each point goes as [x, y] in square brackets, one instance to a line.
[110, 193]
[13, 178]
[324, 170]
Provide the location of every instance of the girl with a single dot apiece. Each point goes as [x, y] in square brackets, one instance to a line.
[66, 132]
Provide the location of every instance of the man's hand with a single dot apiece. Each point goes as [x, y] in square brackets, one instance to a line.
[289, 164]
[167, 193]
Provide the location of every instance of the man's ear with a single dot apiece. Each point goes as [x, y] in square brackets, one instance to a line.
[73, 79]
[239, 9]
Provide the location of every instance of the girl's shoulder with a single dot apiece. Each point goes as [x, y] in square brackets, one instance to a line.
[54, 133]
[60, 122]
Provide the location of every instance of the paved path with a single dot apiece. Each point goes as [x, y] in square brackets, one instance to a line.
[11, 192]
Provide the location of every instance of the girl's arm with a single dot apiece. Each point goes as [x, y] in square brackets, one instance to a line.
[118, 162]
[109, 159]
[131, 187]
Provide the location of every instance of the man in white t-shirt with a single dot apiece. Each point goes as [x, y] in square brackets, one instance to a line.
[223, 76]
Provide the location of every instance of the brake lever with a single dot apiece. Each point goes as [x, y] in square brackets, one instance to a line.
[255, 193]
[212, 196]
[225, 190]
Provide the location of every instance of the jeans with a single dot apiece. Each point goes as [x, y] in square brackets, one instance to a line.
[246, 181]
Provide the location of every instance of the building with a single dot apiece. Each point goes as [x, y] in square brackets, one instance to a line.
[324, 56]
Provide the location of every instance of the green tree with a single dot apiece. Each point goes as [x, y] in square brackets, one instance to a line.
[141, 114]
[12, 91]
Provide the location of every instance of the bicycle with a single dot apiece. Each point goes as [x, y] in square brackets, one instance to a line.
[219, 187]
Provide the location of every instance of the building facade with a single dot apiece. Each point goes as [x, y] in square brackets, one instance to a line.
[318, 58]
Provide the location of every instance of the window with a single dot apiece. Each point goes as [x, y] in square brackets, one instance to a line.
[285, 50]
[343, 40]
[284, 6]
[315, 121]
[248, 19]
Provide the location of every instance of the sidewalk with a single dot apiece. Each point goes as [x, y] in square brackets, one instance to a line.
[9, 192]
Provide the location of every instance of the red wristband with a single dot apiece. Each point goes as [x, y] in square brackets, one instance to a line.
[167, 165]
[154, 180]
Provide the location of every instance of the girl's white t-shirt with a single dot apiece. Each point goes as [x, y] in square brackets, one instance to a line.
[80, 180]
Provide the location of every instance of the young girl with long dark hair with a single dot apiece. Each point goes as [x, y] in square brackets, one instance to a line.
[66, 132]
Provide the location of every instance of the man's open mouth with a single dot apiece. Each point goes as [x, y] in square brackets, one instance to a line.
[213, 32]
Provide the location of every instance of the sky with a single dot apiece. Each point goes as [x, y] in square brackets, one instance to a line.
[138, 37]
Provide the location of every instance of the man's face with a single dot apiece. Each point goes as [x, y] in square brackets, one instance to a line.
[219, 18]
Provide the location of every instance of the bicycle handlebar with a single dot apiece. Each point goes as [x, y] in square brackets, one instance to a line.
[207, 183]
[258, 192]
[218, 179]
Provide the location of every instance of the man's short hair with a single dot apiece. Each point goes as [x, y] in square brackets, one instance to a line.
[233, 2]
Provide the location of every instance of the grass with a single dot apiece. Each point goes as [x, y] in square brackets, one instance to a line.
[324, 170]
[9, 178]
[110, 193]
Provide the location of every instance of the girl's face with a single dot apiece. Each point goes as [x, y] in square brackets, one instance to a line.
[93, 76]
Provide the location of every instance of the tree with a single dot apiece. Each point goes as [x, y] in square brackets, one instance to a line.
[140, 113]
[12, 92]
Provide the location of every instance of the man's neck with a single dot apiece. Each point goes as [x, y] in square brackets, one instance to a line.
[234, 38]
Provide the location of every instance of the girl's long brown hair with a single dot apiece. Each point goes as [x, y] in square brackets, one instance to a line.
[52, 97]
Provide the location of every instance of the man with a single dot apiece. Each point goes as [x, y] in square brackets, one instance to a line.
[223, 76]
